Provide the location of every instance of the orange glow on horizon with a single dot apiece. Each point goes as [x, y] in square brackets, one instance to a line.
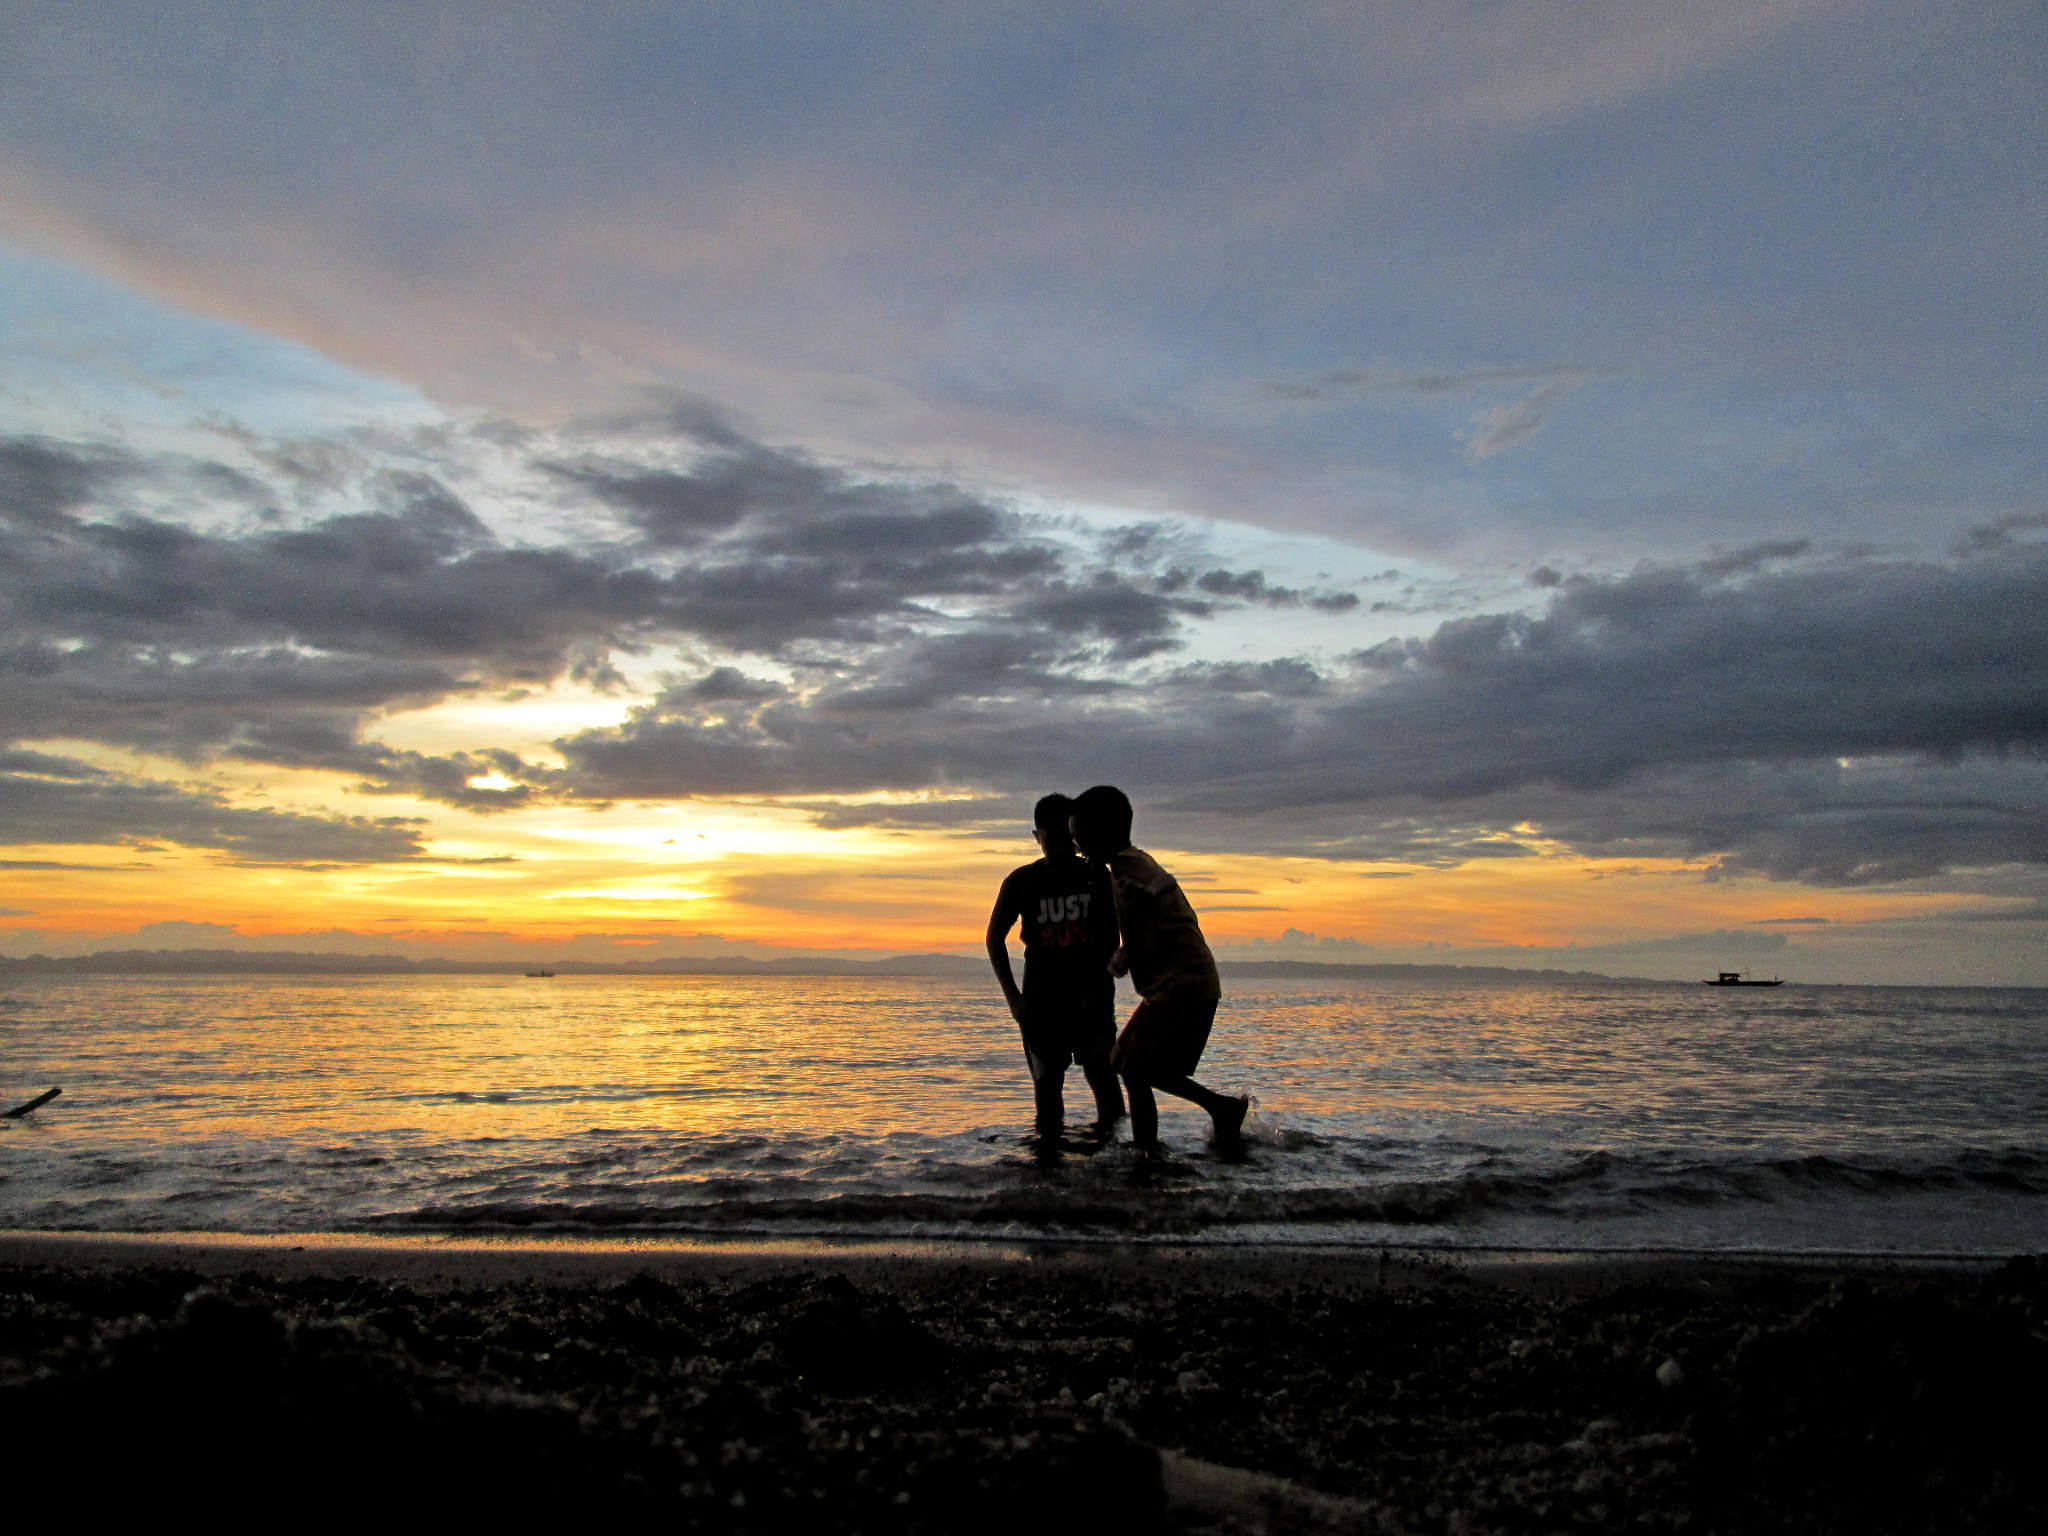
[631, 879]
[764, 874]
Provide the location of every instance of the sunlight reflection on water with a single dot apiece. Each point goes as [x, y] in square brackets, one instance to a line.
[1856, 1115]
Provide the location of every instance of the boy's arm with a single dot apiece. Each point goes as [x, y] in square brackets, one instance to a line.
[1119, 964]
[1123, 918]
[1000, 921]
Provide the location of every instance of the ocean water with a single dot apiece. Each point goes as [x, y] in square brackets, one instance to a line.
[1792, 1119]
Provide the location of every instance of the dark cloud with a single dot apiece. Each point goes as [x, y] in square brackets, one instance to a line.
[59, 864]
[1288, 678]
[136, 812]
[887, 536]
[1877, 821]
[727, 685]
[383, 770]
[776, 548]
[47, 765]
[131, 613]
[1754, 557]
[777, 502]
[1007, 665]
[853, 740]
[1135, 621]
[1252, 587]
[1672, 667]
[1835, 722]
[2033, 912]
[42, 482]
[2000, 533]
[282, 644]
[1699, 713]
[662, 412]
[422, 582]
[666, 506]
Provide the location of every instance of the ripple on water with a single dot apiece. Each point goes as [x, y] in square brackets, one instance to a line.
[1460, 1115]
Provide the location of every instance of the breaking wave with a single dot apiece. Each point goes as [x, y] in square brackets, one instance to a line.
[1206, 1198]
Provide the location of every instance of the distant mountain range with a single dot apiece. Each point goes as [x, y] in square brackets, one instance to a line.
[242, 962]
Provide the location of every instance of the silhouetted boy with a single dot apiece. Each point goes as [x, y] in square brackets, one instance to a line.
[1067, 1008]
[1170, 965]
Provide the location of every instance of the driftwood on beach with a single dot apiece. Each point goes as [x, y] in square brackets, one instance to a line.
[31, 1106]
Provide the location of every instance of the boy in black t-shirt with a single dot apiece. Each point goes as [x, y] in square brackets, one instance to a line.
[1067, 1006]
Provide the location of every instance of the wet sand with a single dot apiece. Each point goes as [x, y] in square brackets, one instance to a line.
[999, 1387]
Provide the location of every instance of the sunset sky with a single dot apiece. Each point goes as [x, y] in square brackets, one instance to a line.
[1523, 484]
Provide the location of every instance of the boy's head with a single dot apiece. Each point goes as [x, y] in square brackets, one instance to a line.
[1049, 824]
[1101, 819]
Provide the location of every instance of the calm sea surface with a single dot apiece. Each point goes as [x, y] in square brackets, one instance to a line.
[1800, 1118]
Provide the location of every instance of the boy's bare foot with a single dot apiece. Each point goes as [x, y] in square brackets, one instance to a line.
[1104, 1130]
[1230, 1118]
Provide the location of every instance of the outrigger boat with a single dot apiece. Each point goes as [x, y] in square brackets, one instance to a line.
[1737, 979]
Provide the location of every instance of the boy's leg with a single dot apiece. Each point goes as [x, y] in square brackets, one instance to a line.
[1094, 1039]
[1102, 1081]
[1179, 1031]
[1046, 1091]
[1144, 1114]
[1047, 1059]
[1228, 1113]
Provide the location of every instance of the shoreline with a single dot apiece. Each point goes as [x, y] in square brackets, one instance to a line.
[576, 1259]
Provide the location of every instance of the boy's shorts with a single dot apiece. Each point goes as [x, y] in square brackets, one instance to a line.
[1056, 1034]
[1165, 1038]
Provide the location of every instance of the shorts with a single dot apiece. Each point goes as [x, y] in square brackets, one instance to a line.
[1058, 1033]
[1165, 1038]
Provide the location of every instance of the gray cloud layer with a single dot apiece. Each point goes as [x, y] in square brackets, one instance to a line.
[280, 644]
[1833, 722]
[55, 801]
[1697, 712]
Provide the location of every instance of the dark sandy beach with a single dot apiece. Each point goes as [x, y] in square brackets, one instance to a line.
[997, 1389]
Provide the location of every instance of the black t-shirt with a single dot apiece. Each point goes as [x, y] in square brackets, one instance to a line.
[1068, 916]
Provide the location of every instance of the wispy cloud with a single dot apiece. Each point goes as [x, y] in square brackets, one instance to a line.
[1499, 428]
[1334, 384]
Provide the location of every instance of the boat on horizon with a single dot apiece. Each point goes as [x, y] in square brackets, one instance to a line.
[1737, 979]
[540, 973]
